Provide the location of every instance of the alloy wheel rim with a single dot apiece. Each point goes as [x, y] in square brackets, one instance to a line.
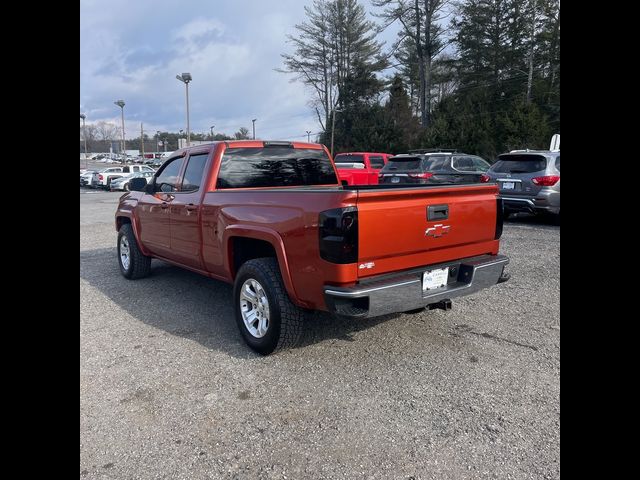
[254, 307]
[125, 255]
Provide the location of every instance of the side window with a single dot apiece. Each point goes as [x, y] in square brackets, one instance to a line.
[463, 164]
[193, 173]
[136, 169]
[376, 162]
[125, 169]
[558, 164]
[480, 165]
[437, 163]
[167, 179]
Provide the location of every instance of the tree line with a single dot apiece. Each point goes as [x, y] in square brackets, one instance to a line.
[482, 76]
[100, 136]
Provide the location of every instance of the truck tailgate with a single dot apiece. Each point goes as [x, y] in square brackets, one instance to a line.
[410, 227]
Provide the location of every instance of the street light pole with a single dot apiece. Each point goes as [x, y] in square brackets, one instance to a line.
[308, 136]
[211, 128]
[186, 78]
[121, 104]
[254, 127]
[84, 136]
[157, 149]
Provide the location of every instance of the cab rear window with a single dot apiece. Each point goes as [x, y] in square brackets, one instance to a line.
[275, 167]
[519, 164]
[348, 159]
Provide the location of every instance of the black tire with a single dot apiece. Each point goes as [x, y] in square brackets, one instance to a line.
[139, 264]
[285, 319]
[126, 187]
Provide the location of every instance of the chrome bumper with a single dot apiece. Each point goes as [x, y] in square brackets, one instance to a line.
[402, 292]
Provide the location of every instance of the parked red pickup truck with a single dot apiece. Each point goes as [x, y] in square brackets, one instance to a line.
[360, 168]
[272, 219]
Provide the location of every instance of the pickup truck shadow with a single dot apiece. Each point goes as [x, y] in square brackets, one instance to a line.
[189, 305]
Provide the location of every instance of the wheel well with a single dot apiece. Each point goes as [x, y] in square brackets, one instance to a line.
[244, 249]
[121, 221]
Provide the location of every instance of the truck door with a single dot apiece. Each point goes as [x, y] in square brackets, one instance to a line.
[153, 208]
[186, 236]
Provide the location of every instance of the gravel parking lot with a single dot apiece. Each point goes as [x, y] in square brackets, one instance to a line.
[168, 388]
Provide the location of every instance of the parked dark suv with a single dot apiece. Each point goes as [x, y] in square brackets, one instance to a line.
[433, 167]
[529, 181]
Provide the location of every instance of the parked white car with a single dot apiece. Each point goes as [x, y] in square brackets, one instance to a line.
[86, 178]
[123, 182]
[103, 178]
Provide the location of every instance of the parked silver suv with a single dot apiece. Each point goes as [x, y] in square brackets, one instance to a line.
[529, 181]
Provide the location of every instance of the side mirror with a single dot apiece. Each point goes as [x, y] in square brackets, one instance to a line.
[137, 184]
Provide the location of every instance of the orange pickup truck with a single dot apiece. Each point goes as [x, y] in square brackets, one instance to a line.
[272, 219]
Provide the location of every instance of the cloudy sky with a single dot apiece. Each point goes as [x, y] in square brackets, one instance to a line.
[133, 50]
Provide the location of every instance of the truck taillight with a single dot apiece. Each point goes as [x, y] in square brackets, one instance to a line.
[421, 175]
[546, 181]
[484, 178]
[338, 235]
[499, 218]
[100, 177]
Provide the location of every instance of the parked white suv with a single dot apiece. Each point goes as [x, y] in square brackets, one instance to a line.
[104, 177]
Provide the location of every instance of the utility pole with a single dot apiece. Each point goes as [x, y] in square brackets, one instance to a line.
[308, 136]
[254, 128]
[211, 129]
[142, 139]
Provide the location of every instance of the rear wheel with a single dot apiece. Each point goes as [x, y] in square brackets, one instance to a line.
[266, 317]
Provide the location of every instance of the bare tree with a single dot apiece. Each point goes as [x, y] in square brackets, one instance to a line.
[334, 42]
[422, 29]
[106, 132]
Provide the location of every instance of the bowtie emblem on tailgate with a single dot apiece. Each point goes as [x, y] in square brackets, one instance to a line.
[437, 230]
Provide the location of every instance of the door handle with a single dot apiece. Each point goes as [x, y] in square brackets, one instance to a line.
[191, 207]
[437, 212]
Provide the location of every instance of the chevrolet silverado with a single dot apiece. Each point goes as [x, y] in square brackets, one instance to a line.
[272, 219]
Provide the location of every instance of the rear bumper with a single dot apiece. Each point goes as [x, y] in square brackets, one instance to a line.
[403, 291]
[545, 200]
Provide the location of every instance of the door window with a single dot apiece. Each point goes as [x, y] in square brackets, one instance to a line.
[376, 162]
[193, 173]
[168, 176]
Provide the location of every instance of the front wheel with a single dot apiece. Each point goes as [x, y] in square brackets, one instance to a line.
[133, 263]
[266, 317]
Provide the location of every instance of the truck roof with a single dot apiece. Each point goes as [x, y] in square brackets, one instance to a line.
[362, 153]
[252, 144]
